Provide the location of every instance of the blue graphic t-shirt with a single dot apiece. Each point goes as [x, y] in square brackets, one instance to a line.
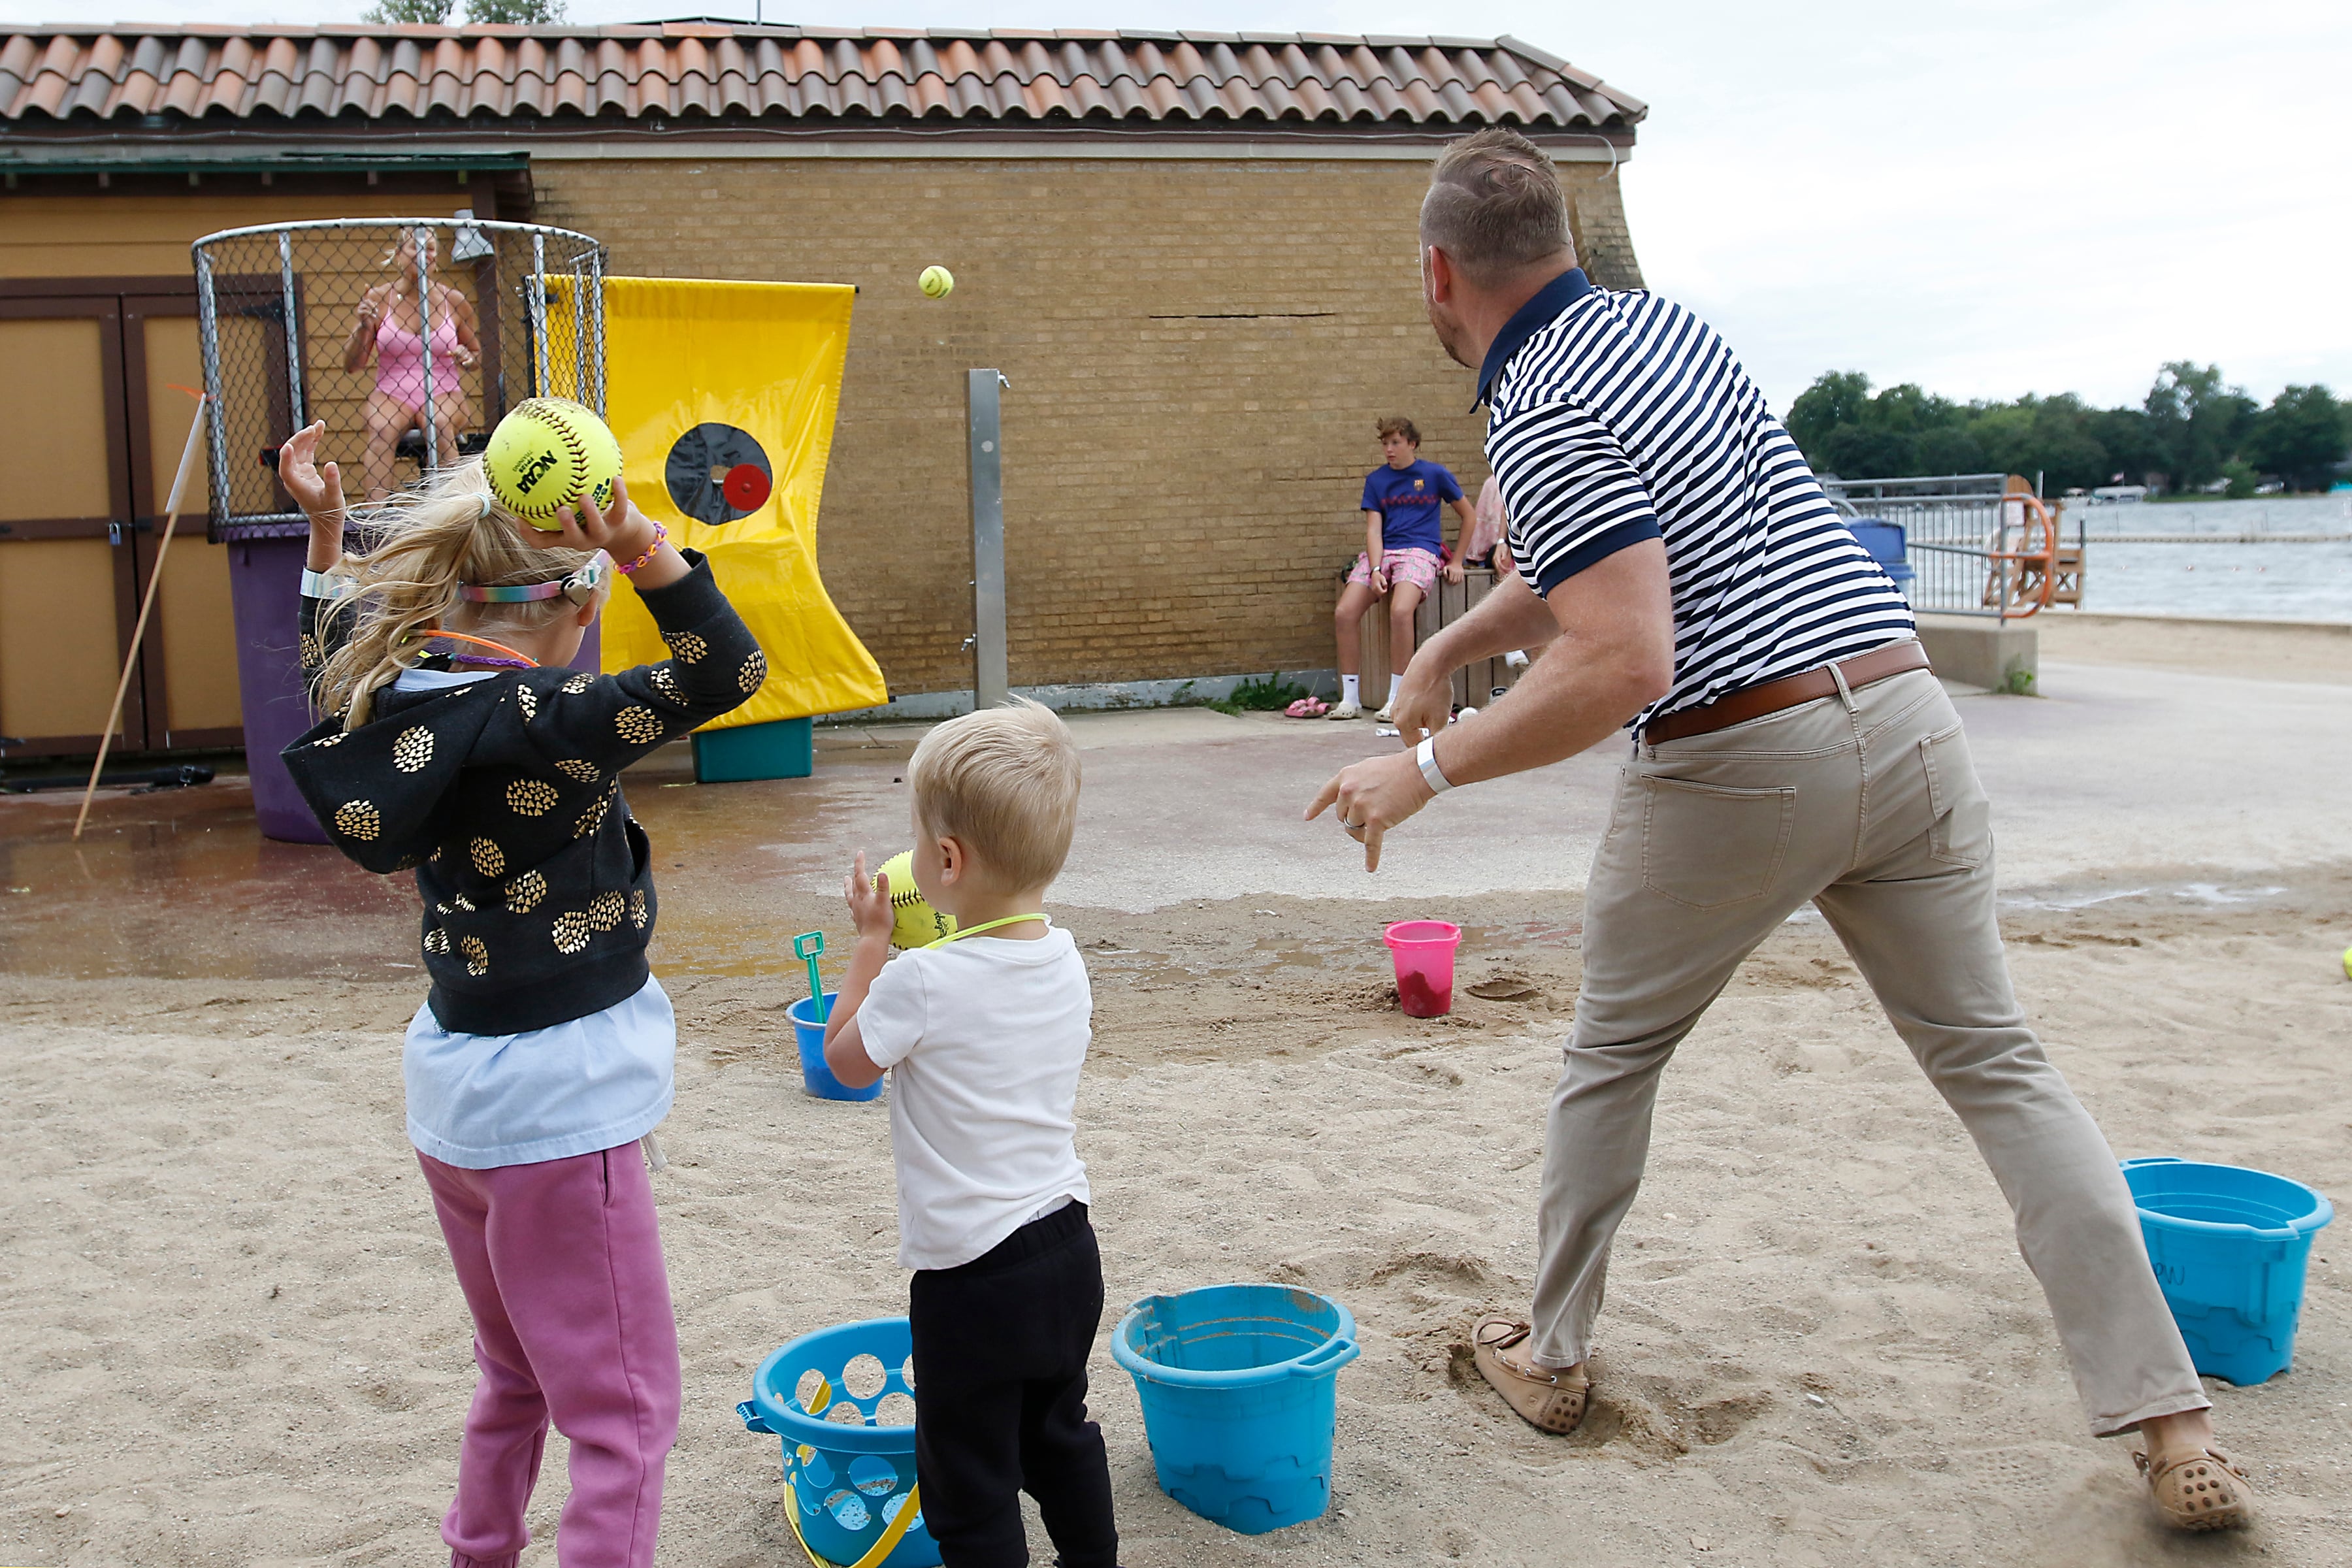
[1412, 503]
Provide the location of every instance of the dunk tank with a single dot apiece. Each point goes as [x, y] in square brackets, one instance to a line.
[410, 338]
[321, 320]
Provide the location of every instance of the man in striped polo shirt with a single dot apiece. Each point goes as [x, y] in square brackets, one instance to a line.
[1790, 746]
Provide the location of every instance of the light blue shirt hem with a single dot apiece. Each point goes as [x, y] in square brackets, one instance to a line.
[481, 1102]
[626, 1130]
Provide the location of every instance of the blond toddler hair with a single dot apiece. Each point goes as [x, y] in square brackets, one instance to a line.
[1005, 781]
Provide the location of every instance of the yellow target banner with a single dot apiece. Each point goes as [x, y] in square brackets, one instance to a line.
[723, 397]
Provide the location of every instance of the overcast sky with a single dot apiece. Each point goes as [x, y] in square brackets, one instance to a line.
[1985, 197]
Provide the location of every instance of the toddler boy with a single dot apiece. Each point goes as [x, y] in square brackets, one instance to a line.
[984, 1035]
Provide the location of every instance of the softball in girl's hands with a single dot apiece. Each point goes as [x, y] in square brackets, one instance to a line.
[913, 922]
[937, 282]
[546, 454]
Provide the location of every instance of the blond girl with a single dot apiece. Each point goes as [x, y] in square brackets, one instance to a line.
[458, 744]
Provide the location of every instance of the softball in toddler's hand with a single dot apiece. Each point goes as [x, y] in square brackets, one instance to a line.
[548, 454]
[913, 922]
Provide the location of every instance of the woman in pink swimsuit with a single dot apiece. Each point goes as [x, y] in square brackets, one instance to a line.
[387, 324]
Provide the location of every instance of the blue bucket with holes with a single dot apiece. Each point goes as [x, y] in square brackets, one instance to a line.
[2230, 1246]
[1238, 1389]
[843, 1401]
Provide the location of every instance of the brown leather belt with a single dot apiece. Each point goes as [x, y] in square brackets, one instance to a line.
[1754, 701]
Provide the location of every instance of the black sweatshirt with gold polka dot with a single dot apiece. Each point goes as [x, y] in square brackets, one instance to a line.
[505, 796]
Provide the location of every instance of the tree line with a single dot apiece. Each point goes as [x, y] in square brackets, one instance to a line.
[2189, 431]
[436, 13]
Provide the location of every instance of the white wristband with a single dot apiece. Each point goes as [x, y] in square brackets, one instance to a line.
[326, 584]
[1425, 754]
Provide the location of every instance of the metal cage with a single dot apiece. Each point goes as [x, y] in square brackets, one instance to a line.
[320, 320]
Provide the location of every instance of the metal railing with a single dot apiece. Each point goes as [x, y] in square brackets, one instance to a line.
[1978, 544]
[411, 337]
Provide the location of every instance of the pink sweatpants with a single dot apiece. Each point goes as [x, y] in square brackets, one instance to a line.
[561, 1267]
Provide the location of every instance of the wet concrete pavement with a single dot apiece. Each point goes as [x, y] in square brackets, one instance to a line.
[2120, 774]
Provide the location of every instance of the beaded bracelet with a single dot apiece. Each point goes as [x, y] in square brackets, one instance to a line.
[661, 537]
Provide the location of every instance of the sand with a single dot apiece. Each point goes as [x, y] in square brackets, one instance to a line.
[234, 1337]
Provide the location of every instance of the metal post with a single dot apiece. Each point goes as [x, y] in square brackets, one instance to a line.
[592, 365]
[580, 392]
[293, 344]
[992, 682]
[209, 340]
[537, 296]
[425, 326]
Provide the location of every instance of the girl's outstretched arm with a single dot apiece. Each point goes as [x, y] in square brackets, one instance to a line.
[715, 663]
[318, 491]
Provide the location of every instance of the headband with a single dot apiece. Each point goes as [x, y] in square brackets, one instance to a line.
[579, 587]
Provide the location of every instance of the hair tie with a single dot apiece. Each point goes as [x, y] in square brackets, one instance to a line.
[485, 508]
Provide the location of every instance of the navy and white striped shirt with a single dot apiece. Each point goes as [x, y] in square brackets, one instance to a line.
[1620, 417]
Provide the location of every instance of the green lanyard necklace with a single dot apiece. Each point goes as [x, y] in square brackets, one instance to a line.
[986, 925]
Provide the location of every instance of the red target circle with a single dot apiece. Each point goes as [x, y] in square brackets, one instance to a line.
[746, 487]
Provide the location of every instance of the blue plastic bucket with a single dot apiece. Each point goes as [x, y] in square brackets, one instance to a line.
[2230, 1248]
[815, 1076]
[847, 1474]
[1236, 1383]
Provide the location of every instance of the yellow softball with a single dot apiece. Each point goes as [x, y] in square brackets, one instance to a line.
[913, 922]
[548, 453]
[937, 282]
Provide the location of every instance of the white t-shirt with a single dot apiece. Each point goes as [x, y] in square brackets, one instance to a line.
[984, 1039]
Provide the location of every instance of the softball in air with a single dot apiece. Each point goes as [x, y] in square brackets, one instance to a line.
[548, 453]
[937, 282]
[913, 922]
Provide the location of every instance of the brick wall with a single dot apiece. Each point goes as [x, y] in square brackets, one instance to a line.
[1198, 351]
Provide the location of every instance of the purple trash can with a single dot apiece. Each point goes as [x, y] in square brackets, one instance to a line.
[265, 581]
[264, 576]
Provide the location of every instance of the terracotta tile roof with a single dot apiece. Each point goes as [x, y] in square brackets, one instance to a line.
[500, 75]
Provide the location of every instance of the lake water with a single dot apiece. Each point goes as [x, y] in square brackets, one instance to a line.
[2270, 580]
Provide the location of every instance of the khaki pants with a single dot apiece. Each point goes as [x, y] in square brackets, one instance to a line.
[1866, 804]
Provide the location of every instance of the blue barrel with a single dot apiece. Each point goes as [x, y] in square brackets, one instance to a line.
[2230, 1248]
[815, 1076]
[1888, 545]
[1237, 1385]
[850, 1457]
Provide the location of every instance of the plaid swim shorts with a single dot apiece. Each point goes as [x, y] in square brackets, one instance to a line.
[1418, 567]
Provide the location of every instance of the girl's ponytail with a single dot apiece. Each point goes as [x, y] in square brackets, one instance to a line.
[430, 541]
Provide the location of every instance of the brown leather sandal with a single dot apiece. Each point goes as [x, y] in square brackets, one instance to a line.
[1548, 1401]
[2204, 1491]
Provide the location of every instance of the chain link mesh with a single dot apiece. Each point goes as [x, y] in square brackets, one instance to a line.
[320, 320]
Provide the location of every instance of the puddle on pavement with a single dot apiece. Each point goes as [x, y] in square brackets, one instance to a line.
[182, 885]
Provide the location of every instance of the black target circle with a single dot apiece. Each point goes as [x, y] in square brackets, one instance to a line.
[712, 469]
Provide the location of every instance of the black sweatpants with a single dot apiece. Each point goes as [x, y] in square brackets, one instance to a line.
[1001, 1347]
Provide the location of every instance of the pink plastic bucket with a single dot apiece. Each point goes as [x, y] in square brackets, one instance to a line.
[1424, 952]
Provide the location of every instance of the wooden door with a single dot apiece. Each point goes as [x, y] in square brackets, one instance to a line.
[68, 572]
[91, 429]
[188, 664]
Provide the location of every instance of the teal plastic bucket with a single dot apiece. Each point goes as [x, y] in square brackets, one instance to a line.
[2230, 1246]
[849, 1456]
[1237, 1384]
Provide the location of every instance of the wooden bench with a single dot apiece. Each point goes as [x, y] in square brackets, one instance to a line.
[1474, 686]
